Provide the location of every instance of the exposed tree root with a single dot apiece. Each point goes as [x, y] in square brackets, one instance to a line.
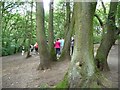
[96, 81]
[102, 66]
[63, 83]
[40, 67]
[28, 55]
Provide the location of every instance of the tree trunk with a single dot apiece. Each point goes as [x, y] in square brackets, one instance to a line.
[108, 39]
[41, 38]
[29, 42]
[15, 48]
[27, 33]
[68, 30]
[82, 72]
[51, 33]
[1, 14]
[82, 68]
[68, 13]
[30, 33]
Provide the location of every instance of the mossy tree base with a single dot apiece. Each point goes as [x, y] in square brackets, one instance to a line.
[96, 81]
[63, 83]
[102, 66]
[108, 39]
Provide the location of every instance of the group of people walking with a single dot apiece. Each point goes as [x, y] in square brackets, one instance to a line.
[58, 45]
[33, 48]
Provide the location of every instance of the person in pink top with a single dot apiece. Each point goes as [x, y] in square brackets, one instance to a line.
[36, 47]
[57, 47]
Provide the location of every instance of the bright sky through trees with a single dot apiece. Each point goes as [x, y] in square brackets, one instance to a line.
[46, 4]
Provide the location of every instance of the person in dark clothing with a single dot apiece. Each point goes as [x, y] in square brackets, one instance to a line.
[72, 46]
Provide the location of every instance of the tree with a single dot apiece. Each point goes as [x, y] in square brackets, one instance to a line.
[41, 38]
[108, 39]
[58, 20]
[12, 30]
[82, 72]
[68, 32]
[0, 28]
[82, 68]
[30, 32]
[51, 33]
[105, 15]
[16, 26]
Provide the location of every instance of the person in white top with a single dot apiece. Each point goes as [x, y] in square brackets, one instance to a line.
[72, 45]
[61, 44]
[23, 50]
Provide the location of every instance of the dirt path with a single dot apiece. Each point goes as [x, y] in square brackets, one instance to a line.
[113, 64]
[18, 72]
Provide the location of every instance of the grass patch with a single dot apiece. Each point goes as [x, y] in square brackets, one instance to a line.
[63, 83]
[44, 86]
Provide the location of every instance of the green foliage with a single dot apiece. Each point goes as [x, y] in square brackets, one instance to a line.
[8, 51]
[44, 86]
[97, 31]
[118, 37]
[58, 20]
[96, 39]
[63, 83]
[118, 15]
[16, 28]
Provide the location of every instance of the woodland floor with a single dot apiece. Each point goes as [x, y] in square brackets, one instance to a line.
[19, 72]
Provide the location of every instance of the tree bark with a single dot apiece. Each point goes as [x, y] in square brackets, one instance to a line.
[108, 39]
[67, 21]
[1, 14]
[41, 38]
[51, 33]
[68, 30]
[82, 68]
[30, 33]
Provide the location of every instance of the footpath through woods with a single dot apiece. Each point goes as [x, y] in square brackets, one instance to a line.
[19, 72]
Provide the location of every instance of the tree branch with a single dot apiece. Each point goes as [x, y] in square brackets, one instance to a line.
[100, 21]
[117, 31]
[104, 8]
